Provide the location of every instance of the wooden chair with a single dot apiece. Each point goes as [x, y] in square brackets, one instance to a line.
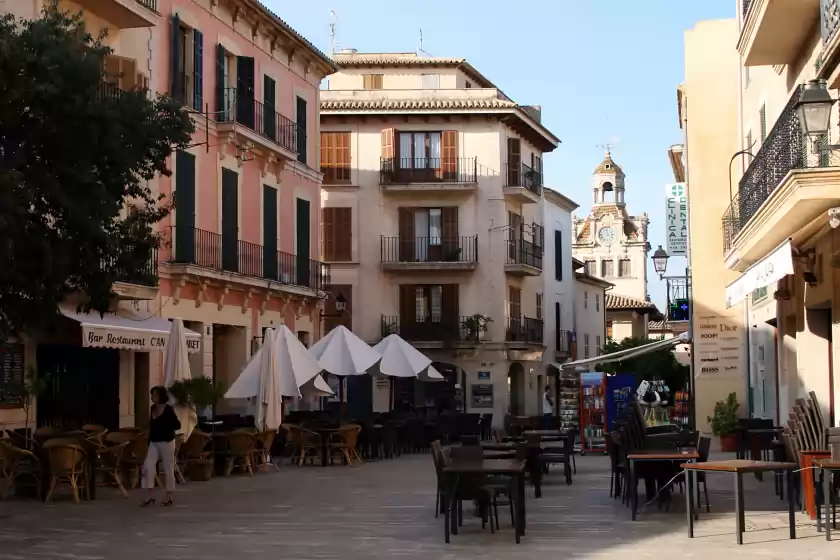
[262, 454]
[110, 463]
[344, 443]
[240, 452]
[67, 464]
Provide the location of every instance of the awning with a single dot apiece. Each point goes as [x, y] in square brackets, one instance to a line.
[625, 354]
[127, 331]
[770, 269]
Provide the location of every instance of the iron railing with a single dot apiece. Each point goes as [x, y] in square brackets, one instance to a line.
[677, 288]
[428, 249]
[786, 148]
[144, 275]
[428, 170]
[524, 252]
[218, 252]
[563, 341]
[524, 176]
[151, 4]
[445, 328]
[335, 174]
[260, 118]
[524, 329]
[829, 19]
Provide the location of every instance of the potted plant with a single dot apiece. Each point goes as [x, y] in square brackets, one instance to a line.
[198, 393]
[725, 423]
[476, 325]
[31, 387]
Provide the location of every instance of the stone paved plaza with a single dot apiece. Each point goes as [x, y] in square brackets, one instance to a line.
[386, 510]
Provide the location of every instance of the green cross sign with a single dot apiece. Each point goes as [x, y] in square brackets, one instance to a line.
[678, 190]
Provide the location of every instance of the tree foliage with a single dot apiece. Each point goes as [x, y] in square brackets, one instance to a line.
[658, 364]
[76, 158]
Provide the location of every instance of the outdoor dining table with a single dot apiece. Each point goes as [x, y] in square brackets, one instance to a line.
[826, 468]
[499, 454]
[499, 467]
[324, 434]
[738, 468]
[653, 456]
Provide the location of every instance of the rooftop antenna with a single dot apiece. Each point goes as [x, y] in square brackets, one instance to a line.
[333, 21]
[420, 47]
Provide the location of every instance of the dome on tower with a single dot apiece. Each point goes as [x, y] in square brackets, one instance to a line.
[608, 166]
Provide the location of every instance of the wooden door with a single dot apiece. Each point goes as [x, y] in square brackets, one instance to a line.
[303, 237]
[408, 309]
[407, 238]
[230, 220]
[269, 112]
[449, 155]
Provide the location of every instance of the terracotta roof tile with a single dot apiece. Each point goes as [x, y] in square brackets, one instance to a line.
[392, 60]
[630, 230]
[618, 302]
[608, 166]
[415, 104]
[659, 326]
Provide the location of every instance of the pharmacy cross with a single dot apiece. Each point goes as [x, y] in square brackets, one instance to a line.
[677, 191]
[684, 307]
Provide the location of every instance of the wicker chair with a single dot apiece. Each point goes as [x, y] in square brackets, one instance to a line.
[304, 442]
[262, 453]
[197, 459]
[17, 464]
[110, 463]
[344, 443]
[67, 464]
[240, 452]
[134, 456]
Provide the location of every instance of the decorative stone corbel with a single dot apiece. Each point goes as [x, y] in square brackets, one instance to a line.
[247, 298]
[202, 294]
[298, 307]
[176, 295]
[255, 31]
[238, 12]
[284, 301]
[270, 161]
[292, 56]
[308, 67]
[222, 295]
[272, 44]
[264, 303]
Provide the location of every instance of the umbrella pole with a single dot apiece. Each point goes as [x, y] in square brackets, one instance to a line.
[391, 394]
[340, 398]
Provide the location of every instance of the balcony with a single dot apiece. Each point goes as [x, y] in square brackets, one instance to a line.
[523, 258]
[429, 254]
[132, 282]
[211, 251]
[774, 31]
[124, 14]
[563, 344]
[785, 188]
[829, 24]
[523, 184]
[524, 329]
[263, 126]
[436, 331]
[428, 174]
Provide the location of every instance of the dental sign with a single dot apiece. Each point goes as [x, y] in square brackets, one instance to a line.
[676, 219]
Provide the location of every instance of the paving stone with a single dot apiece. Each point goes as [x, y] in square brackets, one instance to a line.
[386, 510]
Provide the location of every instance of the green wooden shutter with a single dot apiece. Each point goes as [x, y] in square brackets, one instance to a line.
[269, 232]
[302, 224]
[301, 128]
[222, 111]
[176, 85]
[269, 112]
[185, 251]
[198, 70]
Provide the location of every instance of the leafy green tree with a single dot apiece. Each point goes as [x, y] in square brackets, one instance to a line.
[658, 364]
[76, 156]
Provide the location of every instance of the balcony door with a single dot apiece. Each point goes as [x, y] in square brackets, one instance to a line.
[184, 207]
[230, 220]
[245, 91]
[429, 312]
[302, 237]
[428, 234]
[420, 156]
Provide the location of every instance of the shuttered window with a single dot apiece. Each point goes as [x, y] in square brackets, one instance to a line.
[198, 70]
[607, 269]
[372, 81]
[335, 157]
[302, 130]
[514, 161]
[762, 117]
[337, 233]
[624, 267]
[558, 255]
[539, 306]
[514, 303]
[590, 268]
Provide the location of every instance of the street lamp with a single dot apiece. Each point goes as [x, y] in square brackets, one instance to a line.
[814, 109]
[660, 261]
[340, 303]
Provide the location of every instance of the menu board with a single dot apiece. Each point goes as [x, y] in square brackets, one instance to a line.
[11, 373]
[718, 345]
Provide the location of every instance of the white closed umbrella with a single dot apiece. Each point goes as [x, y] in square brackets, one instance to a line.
[176, 367]
[399, 358]
[430, 374]
[343, 353]
[269, 410]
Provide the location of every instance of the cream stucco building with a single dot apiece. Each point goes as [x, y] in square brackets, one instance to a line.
[613, 246]
[433, 180]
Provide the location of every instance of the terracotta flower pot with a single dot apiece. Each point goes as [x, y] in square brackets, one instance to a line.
[729, 443]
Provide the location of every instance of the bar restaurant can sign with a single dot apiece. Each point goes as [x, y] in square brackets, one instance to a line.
[676, 219]
[102, 336]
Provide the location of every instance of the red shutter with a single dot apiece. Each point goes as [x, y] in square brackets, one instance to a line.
[449, 155]
[406, 233]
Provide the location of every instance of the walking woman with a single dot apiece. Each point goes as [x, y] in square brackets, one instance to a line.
[163, 423]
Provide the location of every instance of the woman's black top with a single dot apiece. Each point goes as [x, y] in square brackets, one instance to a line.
[163, 427]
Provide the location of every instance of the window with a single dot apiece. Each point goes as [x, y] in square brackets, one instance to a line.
[372, 81]
[607, 269]
[514, 162]
[586, 300]
[609, 329]
[468, 85]
[428, 304]
[598, 345]
[762, 117]
[337, 233]
[186, 64]
[597, 302]
[558, 255]
[430, 81]
[514, 303]
[335, 157]
[748, 141]
[590, 268]
[539, 306]
[624, 268]
[586, 345]
[302, 129]
[426, 234]
[419, 150]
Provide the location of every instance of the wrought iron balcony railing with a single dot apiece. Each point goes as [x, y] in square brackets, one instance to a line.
[260, 118]
[151, 4]
[785, 149]
[563, 341]
[829, 19]
[434, 329]
[428, 249]
[524, 176]
[145, 275]
[524, 252]
[745, 7]
[218, 252]
[524, 329]
[428, 170]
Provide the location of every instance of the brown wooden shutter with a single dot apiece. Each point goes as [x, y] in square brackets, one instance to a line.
[121, 71]
[451, 245]
[367, 81]
[406, 232]
[343, 232]
[449, 155]
[515, 304]
[388, 143]
[328, 233]
[514, 159]
[341, 156]
[408, 310]
[449, 305]
[326, 154]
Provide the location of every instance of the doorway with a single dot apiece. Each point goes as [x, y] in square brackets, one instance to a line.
[516, 389]
[141, 390]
